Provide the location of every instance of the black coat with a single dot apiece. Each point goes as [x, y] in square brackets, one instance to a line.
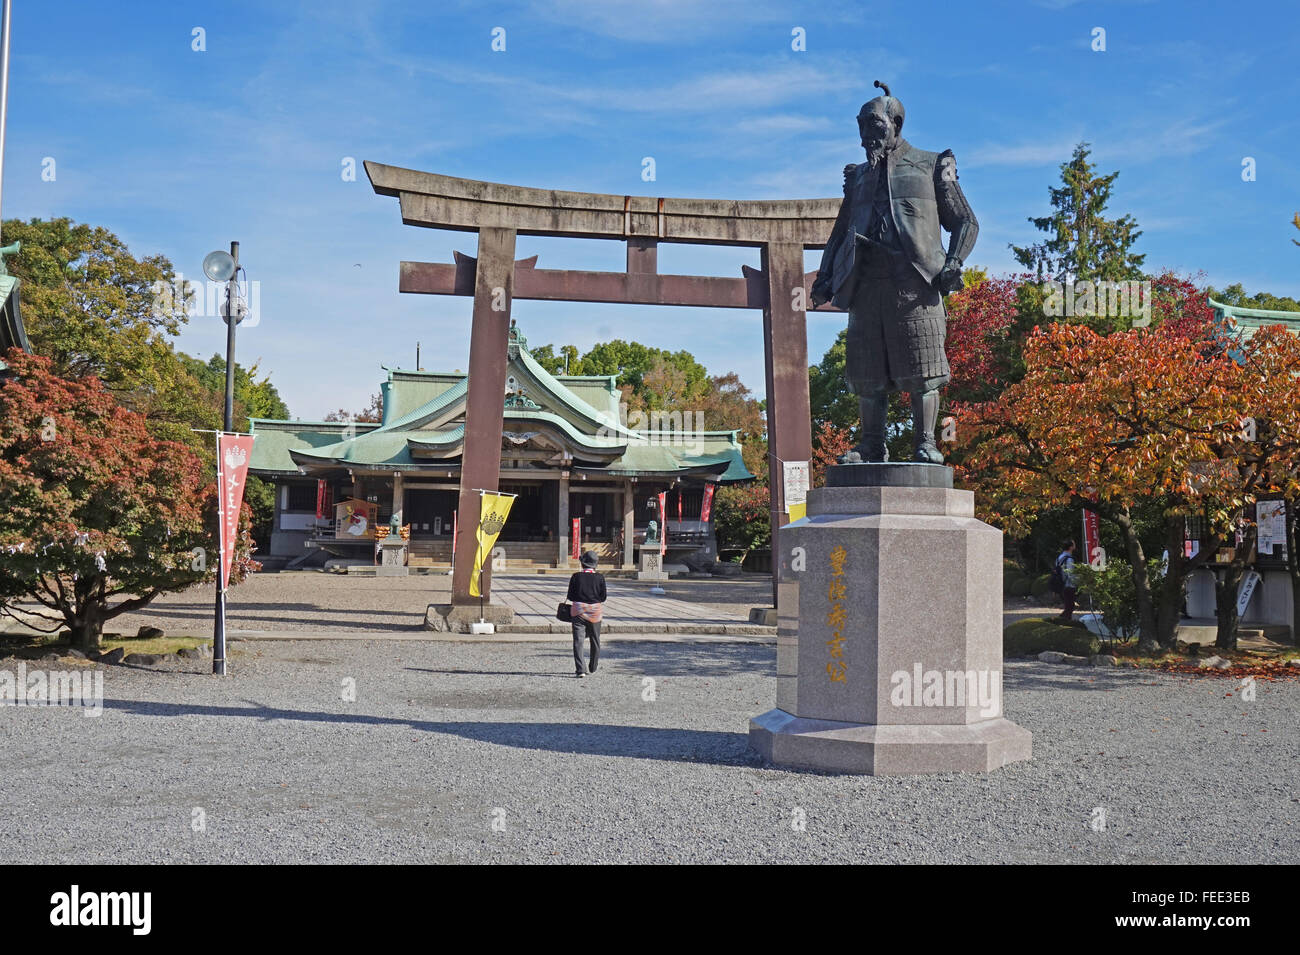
[587, 588]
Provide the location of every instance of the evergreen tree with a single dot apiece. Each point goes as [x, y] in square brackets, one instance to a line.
[1083, 245]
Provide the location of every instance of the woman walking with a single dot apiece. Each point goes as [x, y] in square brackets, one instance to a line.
[586, 597]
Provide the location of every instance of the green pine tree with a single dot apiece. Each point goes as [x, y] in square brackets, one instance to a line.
[1083, 245]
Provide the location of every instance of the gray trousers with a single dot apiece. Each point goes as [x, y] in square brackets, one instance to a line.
[584, 628]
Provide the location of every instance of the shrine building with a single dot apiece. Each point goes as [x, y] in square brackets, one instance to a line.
[12, 333]
[566, 451]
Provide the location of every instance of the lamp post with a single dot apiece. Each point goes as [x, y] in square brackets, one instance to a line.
[221, 266]
[4, 81]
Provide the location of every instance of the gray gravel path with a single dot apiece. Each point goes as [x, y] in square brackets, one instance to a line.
[442, 735]
[309, 601]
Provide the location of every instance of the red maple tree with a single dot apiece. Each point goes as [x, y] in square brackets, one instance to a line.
[980, 319]
[97, 518]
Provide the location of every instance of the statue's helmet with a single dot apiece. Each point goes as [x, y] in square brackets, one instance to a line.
[885, 106]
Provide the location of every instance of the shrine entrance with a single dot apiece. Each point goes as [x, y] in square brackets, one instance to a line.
[782, 231]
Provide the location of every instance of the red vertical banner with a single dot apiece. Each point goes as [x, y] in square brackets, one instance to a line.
[575, 538]
[320, 498]
[679, 507]
[706, 508]
[1091, 536]
[663, 522]
[233, 451]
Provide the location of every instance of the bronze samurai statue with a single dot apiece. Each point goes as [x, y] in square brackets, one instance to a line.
[886, 264]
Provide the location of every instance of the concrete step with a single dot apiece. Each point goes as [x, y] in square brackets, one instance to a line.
[1201, 631]
[632, 626]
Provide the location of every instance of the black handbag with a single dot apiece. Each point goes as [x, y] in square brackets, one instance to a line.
[564, 612]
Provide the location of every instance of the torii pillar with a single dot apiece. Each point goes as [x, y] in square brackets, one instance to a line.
[489, 337]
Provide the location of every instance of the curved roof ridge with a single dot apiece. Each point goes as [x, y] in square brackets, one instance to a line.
[430, 407]
[1241, 311]
[569, 397]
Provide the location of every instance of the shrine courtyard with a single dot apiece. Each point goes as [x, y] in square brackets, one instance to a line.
[363, 746]
[315, 604]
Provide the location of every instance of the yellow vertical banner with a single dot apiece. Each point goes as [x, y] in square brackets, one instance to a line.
[493, 508]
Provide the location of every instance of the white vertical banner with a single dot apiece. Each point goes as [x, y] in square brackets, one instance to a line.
[1248, 585]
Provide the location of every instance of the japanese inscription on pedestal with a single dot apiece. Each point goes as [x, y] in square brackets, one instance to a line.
[837, 593]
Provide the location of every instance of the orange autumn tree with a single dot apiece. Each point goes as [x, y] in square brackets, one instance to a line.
[1106, 422]
[1269, 464]
[829, 444]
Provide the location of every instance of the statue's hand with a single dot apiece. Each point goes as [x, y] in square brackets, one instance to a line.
[949, 279]
[821, 291]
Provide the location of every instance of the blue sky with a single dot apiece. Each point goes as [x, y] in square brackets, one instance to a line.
[181, 151]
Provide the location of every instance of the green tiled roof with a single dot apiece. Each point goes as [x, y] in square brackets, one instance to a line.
[12, 333]
[378, 448]
[568, 401]
[424, 412]
[1246, 321]
[599, 391]
[736, 470]
[439, 438]
[1257, 316]
[406, 391]
[275, 439]
[430, 409]
[1240, 324]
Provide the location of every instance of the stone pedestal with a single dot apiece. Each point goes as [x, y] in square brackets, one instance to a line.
[459, 618]
[392, 558]
[889, 647]
[652, 565]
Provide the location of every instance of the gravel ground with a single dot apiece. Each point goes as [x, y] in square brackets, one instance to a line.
[310, 601]
[442, 736]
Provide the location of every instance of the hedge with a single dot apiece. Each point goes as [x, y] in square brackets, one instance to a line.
[1027, 638]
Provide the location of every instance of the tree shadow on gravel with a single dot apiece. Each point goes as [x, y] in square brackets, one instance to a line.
[263, 619]
[670, 744]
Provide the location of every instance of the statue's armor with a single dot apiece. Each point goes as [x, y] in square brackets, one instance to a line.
[881, 259]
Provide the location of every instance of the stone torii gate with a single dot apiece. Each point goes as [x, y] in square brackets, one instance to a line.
[782, 230]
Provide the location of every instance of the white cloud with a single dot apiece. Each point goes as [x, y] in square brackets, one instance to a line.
[1038, 152]
[781, 123]
[658, 21]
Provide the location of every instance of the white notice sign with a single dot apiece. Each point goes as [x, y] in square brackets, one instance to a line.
[1270, 516]
[796, 483]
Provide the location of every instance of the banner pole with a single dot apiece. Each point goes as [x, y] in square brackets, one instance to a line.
[219, 621]
[483, 563]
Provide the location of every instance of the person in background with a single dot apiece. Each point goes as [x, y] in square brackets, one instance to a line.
[1065, 565]
[587, 599]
